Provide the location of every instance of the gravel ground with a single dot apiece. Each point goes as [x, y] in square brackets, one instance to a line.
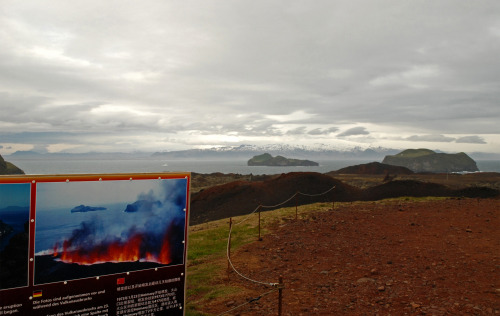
[371, 258]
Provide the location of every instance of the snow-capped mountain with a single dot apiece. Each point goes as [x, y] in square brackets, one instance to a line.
[316, 151]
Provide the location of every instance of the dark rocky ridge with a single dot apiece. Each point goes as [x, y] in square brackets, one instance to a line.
[373, 168]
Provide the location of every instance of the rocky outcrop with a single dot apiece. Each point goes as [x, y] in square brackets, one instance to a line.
[8, 168]
[279, 161]
[425, 160]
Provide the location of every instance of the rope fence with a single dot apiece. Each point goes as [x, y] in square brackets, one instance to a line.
[276, 286]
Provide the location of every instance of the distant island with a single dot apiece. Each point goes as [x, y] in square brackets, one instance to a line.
[142, 205]
[280, 161]
[426, 160]
[84, 208]
[8, 168]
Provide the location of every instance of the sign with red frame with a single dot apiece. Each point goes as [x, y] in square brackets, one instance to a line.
[97, 244]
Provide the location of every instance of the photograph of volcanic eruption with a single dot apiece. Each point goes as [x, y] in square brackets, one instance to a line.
[14, 234]
[87, 229]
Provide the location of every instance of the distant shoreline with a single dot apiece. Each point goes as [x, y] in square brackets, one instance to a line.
[152, 165]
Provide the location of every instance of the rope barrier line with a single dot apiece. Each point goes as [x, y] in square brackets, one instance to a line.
[286, 201]
[249, 301]
[272, 206]
[317, 194]
[237, 272]
[248, 216]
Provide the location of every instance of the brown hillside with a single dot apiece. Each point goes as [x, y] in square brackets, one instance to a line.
[420, 189]
[372, 168]
[243, 197]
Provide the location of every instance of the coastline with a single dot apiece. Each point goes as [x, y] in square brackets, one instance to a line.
[146, 165]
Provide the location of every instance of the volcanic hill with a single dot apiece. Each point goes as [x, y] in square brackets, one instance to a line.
[242, 197]
[372, 168]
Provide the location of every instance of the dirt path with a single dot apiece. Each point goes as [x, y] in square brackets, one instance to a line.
[392, 258]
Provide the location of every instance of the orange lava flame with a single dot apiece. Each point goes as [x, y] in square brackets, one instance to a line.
[117, 251]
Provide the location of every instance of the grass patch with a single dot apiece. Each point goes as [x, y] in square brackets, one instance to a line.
[191, 311]
[207, 253]
[205, 244]
[414, 199]
[198, 277]
[221, 291]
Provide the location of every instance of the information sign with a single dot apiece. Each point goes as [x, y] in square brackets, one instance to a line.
[105, 244]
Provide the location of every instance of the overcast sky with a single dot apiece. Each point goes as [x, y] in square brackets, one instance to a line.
[157, 75]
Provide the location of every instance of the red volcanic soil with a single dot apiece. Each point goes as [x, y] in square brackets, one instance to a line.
[436, 257]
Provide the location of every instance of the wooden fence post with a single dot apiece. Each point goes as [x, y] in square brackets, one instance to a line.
[260, 238]
[280, 296]
[296, 206]
[229, 244]
[333, 201]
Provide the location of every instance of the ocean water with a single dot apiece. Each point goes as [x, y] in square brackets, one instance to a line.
[57, 225]
[151, 165]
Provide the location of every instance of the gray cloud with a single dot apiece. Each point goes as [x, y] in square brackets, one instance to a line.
[323, 131]
[253, 70]
[430, 138]
[297, 131]
[359, 130]
[446, 139]
[40, 138]
[471, 140]
[303, 130]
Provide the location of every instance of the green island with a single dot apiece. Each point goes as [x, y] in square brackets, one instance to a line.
[268, 160]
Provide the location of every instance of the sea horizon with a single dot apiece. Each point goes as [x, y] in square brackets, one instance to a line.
[157, 165]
